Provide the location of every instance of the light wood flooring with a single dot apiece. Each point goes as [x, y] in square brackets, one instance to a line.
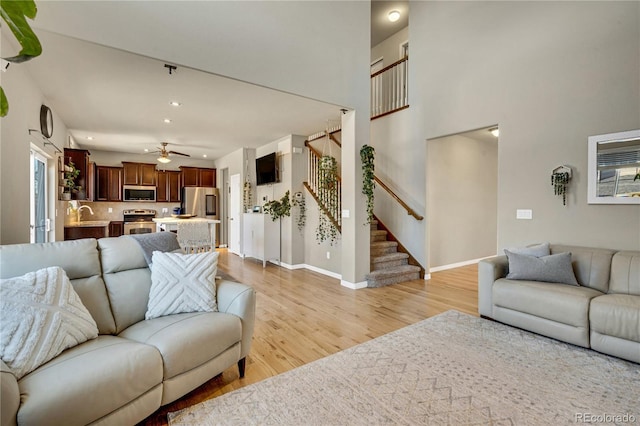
[302, 316]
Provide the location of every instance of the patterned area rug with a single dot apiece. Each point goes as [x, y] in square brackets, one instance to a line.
[452, 369]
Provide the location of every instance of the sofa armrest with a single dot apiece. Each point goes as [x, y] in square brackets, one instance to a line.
[239, 299]
[489, 270]
[9, 396]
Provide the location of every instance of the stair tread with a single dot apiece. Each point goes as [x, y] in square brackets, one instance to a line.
[378, 232]
[389, 256]
[378, 244]
[396, 270]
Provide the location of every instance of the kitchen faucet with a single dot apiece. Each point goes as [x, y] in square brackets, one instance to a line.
[83, 207]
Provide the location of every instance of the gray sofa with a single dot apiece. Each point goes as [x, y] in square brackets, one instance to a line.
[602, 313]
[135, 365]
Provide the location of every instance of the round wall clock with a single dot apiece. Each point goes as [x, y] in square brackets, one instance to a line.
[46, 121]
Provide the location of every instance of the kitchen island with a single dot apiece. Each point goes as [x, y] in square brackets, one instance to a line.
[171, 224]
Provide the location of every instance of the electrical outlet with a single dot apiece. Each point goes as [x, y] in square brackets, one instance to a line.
[110, 210]
[165, 210]
[328, 255]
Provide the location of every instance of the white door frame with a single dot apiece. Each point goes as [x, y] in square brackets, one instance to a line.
[37, 155]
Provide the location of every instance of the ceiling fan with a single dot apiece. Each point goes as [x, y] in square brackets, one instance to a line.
[164, 154]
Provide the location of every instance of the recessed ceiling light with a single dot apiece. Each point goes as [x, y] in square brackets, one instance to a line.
[166, 120]
[146, 150]
[90, 138]
[394, 15]
[175, 103]
[495, 131]
[204, 155]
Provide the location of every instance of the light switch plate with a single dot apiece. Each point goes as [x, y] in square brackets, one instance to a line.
[524, 214]
[110, 210]
[346, 213]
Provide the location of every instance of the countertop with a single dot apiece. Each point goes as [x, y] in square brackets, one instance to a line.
[171, 220]
[88, 224]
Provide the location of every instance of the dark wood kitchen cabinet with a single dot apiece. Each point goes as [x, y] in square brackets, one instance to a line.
[116, 228]
[168, 187]
[80, 159]
[139, 174]
[198, 176]
[108, 183]
[80, 232]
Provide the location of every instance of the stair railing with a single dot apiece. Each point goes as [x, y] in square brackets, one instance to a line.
[409, 210]
[329, 200]
[390, 89]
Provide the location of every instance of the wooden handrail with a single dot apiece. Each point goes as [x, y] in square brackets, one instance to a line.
[333, 138]
[388, 67]
[409, 210]
[323, 208]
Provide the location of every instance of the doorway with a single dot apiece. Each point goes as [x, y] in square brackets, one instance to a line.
[462, 198]
[39, 223]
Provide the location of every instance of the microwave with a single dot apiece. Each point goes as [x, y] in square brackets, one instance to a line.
[138, 193]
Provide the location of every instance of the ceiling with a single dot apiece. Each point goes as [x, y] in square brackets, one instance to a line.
[120, 99]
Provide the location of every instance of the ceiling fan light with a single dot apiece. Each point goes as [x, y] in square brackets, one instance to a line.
[164, 160]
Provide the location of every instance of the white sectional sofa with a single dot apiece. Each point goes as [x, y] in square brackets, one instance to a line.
[134, 366]
[602, 312]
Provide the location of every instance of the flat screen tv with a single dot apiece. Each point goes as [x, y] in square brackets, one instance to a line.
[267, 169]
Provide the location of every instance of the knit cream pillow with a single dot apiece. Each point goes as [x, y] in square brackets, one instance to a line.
[182, 283]
[41, 316]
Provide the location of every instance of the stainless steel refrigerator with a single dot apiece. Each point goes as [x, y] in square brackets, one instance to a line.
[202, 202]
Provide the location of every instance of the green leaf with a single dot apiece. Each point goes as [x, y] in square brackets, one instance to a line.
[4, 105]
[14, 13]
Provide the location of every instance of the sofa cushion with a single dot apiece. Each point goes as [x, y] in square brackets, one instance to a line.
[80, 260]
[537, 250]
[556, 302]
[182, 283]
[554, 268]
[591, 265]
[41, 316]
[625, 273]
[616, 315]
[127, 278]
[90, 381]
[187, 341]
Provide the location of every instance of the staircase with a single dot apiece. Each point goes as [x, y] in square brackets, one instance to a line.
[388, 266]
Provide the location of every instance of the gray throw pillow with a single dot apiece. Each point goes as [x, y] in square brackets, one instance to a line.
[555, 268]
[537, 250]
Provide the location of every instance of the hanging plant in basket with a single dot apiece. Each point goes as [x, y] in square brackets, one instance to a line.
[278, 208]
[367, 155]
[560, 178]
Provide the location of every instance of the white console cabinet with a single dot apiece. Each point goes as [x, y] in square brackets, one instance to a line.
[261, 237]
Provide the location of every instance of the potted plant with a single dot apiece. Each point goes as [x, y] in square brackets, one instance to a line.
[278, 208]
[71, 173]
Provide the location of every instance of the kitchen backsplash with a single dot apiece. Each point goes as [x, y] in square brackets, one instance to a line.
[101, 210]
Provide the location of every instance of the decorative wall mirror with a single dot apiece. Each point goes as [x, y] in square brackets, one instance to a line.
[614, 168]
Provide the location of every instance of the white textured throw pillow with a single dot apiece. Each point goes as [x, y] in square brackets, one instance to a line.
[182, 283]
[41, 316]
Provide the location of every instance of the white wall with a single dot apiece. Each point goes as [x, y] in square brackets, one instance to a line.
[550, 74]
[463, 199]
[389, 49]
[399, 163]
[25, 99]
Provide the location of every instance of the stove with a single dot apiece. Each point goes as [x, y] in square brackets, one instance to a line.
[139, 221]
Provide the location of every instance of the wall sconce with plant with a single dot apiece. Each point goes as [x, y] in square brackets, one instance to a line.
[560, 177]
[367, 155]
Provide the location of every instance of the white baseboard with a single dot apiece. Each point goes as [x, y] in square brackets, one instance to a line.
[456, 265]
[353, 286]
[323, 271]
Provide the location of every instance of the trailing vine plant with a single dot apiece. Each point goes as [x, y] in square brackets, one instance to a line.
[328, 188]
[559, 181]
[298, 201]
[247, 197]
[367, 155]
[279, 208]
